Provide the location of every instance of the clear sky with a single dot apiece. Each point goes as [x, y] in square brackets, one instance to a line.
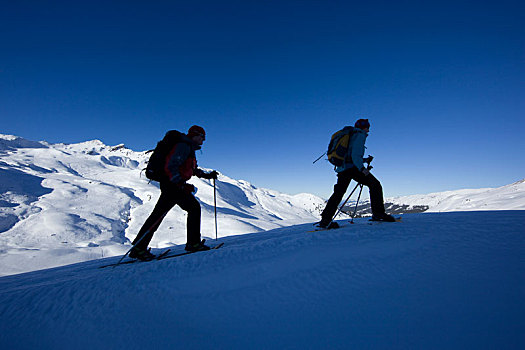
[442, 83]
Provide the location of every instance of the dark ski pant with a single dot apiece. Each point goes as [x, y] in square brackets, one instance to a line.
[170, 195]
[343, 180]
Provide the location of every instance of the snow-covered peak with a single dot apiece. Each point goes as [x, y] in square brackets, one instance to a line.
[11, 142]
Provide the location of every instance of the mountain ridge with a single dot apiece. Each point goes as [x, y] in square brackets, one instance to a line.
[508, 197]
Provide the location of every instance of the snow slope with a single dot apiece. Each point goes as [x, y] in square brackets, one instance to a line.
[66, 203]
[509, 197]
[433, 281]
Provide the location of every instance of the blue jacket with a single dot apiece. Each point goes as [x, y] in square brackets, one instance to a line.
[356, 151]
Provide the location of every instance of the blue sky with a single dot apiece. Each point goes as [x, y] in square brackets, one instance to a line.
[442, 84]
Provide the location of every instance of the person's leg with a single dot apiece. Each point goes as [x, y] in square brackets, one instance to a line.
[190, 204]
[376, 196]
[343, 180]
[164, 204]
[375, 189]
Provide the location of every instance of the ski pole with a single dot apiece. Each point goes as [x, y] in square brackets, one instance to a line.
[315, 161]
[344, 203]
[369, 167]
[215, 206]
[356, 204]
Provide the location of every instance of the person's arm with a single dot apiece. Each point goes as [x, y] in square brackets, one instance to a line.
[204, 175]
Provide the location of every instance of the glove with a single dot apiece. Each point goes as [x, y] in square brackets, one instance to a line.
[368, 160]
[210, 175]
[189, 189]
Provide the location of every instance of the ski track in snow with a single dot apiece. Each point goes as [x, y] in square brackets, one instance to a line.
[434, 281]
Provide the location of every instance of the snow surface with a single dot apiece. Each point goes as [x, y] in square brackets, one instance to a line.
[433, 281]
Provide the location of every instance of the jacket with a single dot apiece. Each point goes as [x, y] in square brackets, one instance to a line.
[356, 151]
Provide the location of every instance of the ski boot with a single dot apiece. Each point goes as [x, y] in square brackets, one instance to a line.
[141, 254]
[196, 247]
[328, 226]
[383, 217]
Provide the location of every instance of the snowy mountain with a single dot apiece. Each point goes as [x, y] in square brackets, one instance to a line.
[65, 203]
[433, 281]
[509, 197]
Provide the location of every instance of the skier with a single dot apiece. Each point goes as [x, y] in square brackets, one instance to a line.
[353, 169]
[180, 166]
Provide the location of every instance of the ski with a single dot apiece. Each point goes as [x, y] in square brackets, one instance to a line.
[161, 256]
[370, 222]
[131, 261]
[317, 229]
[188, 253]
[373, 222]
[324, 229]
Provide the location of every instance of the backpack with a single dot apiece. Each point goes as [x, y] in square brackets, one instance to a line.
[338, 146]
[157, 161]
